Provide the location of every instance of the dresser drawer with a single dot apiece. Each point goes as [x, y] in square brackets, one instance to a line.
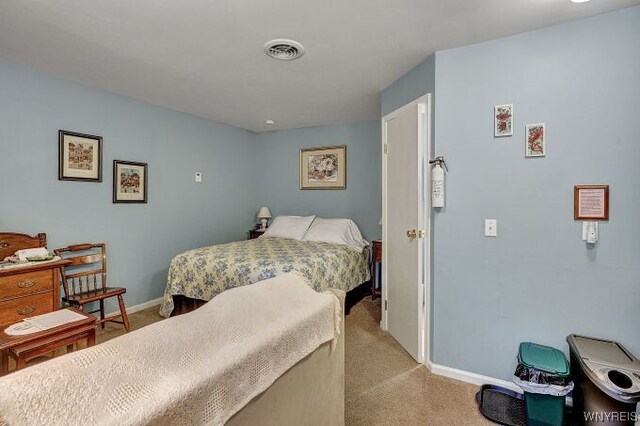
[24, 284]
[15, 310]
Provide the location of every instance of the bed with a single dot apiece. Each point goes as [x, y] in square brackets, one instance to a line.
[197, 276]
[268, 354]
[312, 392]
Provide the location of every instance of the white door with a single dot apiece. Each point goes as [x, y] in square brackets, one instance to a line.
[405, 134]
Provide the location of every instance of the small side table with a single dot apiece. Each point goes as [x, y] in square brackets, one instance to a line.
[255, 233]
[29, 346]
[376, 269]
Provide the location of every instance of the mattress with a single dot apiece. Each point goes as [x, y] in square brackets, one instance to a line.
[206, 272]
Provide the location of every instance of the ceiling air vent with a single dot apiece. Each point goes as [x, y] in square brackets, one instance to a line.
[283, 49]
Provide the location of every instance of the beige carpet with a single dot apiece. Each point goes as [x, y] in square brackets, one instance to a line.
[384, 385]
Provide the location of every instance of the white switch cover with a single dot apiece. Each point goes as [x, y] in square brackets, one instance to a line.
[198, 177]
[490, 228]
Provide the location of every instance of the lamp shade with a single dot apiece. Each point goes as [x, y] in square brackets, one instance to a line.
[264, 213]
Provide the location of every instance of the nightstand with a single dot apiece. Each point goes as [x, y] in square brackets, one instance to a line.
[376, 269]
[255, 233]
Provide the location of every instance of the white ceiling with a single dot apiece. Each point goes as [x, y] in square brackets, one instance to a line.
[205, 57]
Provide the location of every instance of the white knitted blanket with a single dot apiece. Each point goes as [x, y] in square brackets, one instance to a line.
[198, 368]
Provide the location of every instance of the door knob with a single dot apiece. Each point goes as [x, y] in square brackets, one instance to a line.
[414, 233]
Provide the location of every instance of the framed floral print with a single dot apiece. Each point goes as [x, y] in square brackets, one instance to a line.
[536, 143]
[503, 120]
[129, 182]
[79, 157]
[323, 168]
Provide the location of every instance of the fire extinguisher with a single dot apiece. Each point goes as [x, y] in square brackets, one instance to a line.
[437, 181]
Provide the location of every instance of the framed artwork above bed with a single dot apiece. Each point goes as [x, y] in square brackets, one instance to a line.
[323, 168]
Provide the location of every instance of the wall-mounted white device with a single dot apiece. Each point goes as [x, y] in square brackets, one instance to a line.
[198, 177]
[590, 232]
[437, 181]
[490, 228]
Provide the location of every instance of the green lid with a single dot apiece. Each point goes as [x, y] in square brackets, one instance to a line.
[543, 358]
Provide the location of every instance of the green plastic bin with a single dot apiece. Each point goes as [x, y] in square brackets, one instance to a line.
[543, 409]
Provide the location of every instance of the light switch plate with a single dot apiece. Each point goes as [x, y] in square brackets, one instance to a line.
[490, 228]
[198, 177]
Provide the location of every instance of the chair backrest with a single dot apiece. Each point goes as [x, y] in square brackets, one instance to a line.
[87, 270]
[10, 242]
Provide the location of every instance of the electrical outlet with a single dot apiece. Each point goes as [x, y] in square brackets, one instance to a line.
[490, 228]
[585, 232]
[198, 177]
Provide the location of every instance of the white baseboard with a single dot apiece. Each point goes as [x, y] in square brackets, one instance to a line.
[140, 307]
[469, 377]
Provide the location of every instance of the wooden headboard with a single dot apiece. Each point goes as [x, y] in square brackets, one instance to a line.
[10, 242]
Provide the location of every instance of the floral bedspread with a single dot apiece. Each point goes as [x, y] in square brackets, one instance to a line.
[206, 272]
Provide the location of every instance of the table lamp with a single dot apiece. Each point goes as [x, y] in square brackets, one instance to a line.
[264, 214]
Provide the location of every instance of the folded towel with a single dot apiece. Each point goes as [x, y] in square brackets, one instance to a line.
[24, 254]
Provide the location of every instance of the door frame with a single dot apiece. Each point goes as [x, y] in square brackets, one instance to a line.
[424, 216]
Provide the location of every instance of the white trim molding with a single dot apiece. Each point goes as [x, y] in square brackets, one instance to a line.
[140, 307]
[469, 377]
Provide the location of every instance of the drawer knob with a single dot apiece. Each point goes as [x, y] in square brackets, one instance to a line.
[26, 310]
[27, 283]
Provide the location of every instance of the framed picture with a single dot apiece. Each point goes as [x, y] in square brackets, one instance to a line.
[323, 168]
[129, 182]
[591, 202]
[503, 120]
[536, 143]
[79, 157]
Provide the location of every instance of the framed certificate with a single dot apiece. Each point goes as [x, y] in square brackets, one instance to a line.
[591, 202]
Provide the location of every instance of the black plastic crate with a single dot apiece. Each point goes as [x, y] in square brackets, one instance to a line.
[501, 405]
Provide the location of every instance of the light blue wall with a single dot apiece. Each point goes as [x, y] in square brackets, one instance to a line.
[417, 82]
[278, 154]
[180, 214]
[537, 281]
[141, 238]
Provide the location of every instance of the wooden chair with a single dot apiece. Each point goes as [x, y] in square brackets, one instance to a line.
[82, 284]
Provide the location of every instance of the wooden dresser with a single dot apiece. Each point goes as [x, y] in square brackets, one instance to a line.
[30, 290]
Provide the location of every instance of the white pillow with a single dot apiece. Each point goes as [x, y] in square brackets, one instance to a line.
[336, 231]
[293, 227]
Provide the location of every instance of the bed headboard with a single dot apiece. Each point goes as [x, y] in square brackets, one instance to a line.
[10, 242]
